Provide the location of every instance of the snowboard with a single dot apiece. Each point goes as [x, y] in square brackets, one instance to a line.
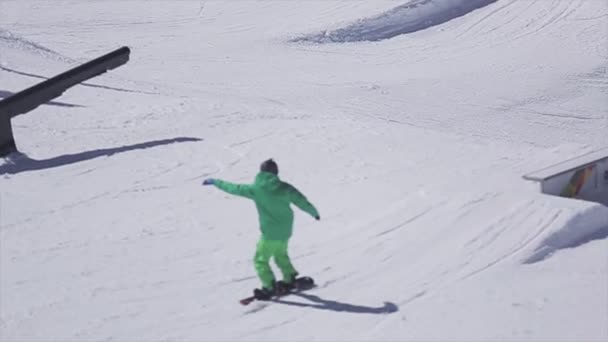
[301, 284]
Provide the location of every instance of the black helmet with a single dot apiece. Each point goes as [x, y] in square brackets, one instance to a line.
[269, 166]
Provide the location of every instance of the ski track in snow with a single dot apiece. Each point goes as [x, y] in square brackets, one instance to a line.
[11, 40]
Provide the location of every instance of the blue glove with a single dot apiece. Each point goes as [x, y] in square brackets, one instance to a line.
[209, 181]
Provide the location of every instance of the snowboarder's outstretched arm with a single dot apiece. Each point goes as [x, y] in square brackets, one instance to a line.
[302, 202]
[243, 190]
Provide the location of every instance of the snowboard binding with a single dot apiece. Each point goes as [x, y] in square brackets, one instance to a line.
[280, 289]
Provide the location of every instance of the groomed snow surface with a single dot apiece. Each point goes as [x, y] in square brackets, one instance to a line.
[409, 124]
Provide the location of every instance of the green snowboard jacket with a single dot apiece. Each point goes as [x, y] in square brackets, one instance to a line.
[272, 199]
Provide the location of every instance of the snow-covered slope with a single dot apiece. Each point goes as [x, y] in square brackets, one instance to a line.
[412, 147]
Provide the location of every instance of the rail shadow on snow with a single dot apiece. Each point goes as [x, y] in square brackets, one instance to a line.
[5, 94]
[18, 162]
[415, 15]
[331, 305]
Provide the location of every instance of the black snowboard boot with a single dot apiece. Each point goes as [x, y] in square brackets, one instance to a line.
[283, 287]
[263, 293]
[287, 285]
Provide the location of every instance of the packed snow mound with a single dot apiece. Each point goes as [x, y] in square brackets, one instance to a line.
[413, 16]
[584, 226]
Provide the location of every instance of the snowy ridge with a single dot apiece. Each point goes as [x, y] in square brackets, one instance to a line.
[413, 16]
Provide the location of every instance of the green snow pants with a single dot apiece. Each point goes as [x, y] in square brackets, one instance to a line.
[267, 249]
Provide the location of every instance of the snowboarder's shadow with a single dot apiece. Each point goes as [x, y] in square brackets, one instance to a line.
[331, 305]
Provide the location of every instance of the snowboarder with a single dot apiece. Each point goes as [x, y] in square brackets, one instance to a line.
[272, 198]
